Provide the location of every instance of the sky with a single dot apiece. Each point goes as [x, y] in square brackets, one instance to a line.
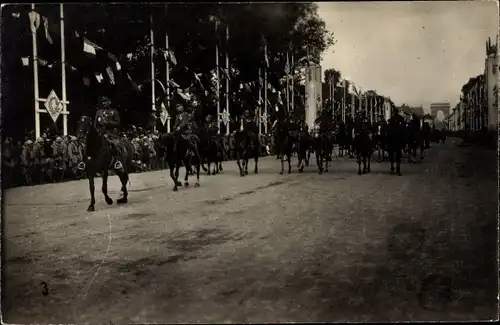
[416, 53]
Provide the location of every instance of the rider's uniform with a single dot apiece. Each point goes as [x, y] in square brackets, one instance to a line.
[107, 121]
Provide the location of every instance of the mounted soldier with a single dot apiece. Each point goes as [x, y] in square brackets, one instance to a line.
[107, 122]
[183, 125]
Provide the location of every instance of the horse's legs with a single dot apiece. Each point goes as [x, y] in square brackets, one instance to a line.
[398, 161]
[289, 164]
[172, 167]
[358, 156]
[123, 175]
[246, 162]
[92, 193]
[188, 167]
[282, 160]
[208, 163]
[238, 162]
[104, 178]
[369, 158]
[198, 167]
[319, 161]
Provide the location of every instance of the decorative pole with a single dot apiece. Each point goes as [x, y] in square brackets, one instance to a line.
[152, 53]
[167, 73]
[260, 103]
[265, 88]
[63, 74]
[35, 74]
[217, 88]
[227, 77]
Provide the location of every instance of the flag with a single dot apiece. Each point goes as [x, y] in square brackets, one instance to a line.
[88, 47]
[43, 62]
[287, 65]
[99, 77]
[118, 66]
[173, 83]
[172, 58]
[130, 56]
[34, 20]
[46, 26]
[16, 15]
[110, 75]
[25, 61]
[266, 58]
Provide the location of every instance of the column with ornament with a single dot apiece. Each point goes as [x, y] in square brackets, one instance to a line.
[53, 105]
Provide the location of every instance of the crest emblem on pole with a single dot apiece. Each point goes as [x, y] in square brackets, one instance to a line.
[53, 105]
[163, 114]
[263, 119]
[225, 117]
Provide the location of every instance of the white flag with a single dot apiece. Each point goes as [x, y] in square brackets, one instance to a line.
[46, 25]
[88, 47]
[25, 61]
[99, 77]
[34, 20]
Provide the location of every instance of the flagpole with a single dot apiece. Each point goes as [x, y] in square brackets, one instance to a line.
[217, 90]
[265, 87]
[344, 101]
[227, 77]
[63, 73]
[260, 103]
[153, 108]
[35, 80]
[167, 56]
[292, 83]
[353, 104]
[287, 83]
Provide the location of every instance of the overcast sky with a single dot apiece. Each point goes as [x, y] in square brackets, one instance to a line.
[417, 53]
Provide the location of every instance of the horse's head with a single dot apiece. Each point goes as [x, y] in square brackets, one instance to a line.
[83, 127]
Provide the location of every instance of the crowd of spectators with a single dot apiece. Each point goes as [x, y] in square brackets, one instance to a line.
[52, 158]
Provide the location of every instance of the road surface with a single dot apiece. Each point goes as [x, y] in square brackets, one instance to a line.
[263, 248]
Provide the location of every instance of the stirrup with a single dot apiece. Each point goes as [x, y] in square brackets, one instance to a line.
[81, 166]
[118, 165]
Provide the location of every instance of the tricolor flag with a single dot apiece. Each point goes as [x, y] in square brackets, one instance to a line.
[99, 77]
[110, 75]
[88, 47]
[287, 65]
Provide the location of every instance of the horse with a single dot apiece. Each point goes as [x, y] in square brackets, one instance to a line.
[99, 159]
[395, 142]
[180, 150]
[323, 147]
[212, 151]
[286, 138]
[414, 140]
[303, 146]
[247, 144]
[363, 146]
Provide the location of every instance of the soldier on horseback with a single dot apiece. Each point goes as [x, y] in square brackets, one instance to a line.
[107, 122]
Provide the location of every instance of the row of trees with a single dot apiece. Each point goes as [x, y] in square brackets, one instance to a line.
[123, 30]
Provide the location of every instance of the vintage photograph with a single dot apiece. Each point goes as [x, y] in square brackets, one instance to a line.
[249, 162]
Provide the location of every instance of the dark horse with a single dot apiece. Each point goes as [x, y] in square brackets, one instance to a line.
[212, 150]
[287, 135]
[363, 144]
[414, 140]
[99, 159]
[247, 144]
[323, 147]
[396, 141]
[181, 150]
[303, 148]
